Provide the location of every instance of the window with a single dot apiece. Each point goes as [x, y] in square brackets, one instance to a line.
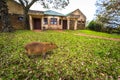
[53, 21]
[45, 20]
[59, 21]
[79, 22]
[83, 22]
[20, 18]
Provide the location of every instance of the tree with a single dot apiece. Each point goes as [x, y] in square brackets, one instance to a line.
[7, 27]
[26, 4]
[108, 12]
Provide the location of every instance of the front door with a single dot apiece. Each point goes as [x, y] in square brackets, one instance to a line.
[72, 24]
[64, 24]
[37, 23]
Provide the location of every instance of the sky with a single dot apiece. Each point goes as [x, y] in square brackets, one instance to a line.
[87, 7]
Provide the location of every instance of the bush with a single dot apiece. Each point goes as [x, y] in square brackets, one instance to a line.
[96, 26]
[118, 29]
[93, 25]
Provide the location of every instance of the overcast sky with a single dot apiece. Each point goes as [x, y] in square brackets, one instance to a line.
[86, 6]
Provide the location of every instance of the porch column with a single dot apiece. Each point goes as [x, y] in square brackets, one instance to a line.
[42, 23]
[75, 26]
[30, 22]
[68, 24]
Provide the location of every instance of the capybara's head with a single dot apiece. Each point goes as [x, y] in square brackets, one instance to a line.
[53, 46]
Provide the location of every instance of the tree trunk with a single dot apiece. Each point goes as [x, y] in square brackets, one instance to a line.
[6, 27]
[26, 19]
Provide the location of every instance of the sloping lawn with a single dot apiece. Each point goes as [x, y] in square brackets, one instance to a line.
[76, 58]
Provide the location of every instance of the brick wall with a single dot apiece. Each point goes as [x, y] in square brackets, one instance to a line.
[17, 21]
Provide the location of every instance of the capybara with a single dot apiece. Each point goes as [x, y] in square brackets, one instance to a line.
[38, 48]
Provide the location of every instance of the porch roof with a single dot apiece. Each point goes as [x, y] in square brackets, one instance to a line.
[35, 12]
[48, 12]
[53, 13]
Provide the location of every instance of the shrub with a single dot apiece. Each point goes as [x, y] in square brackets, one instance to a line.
[118, 29]
[93, 25]
[97, 26]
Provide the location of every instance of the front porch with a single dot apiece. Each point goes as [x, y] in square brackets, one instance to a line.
[41, 22]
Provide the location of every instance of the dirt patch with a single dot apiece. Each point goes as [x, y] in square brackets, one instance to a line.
[81, 34]
[99, 37]
[51, 30]
[37, 30]
[62, 31]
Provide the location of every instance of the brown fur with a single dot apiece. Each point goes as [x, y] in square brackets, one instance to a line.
[38, 48]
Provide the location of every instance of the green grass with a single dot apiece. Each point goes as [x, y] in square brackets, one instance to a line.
[76, 58]
[89, 32]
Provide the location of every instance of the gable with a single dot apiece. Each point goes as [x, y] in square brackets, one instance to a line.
[77, 14]
[14, 7]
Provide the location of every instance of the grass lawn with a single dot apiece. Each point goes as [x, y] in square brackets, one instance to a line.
[76, 58]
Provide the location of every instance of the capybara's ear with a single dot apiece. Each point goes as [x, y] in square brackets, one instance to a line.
[51, 43]
[56, 46]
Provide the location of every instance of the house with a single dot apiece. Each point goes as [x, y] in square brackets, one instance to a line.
[46, 19]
